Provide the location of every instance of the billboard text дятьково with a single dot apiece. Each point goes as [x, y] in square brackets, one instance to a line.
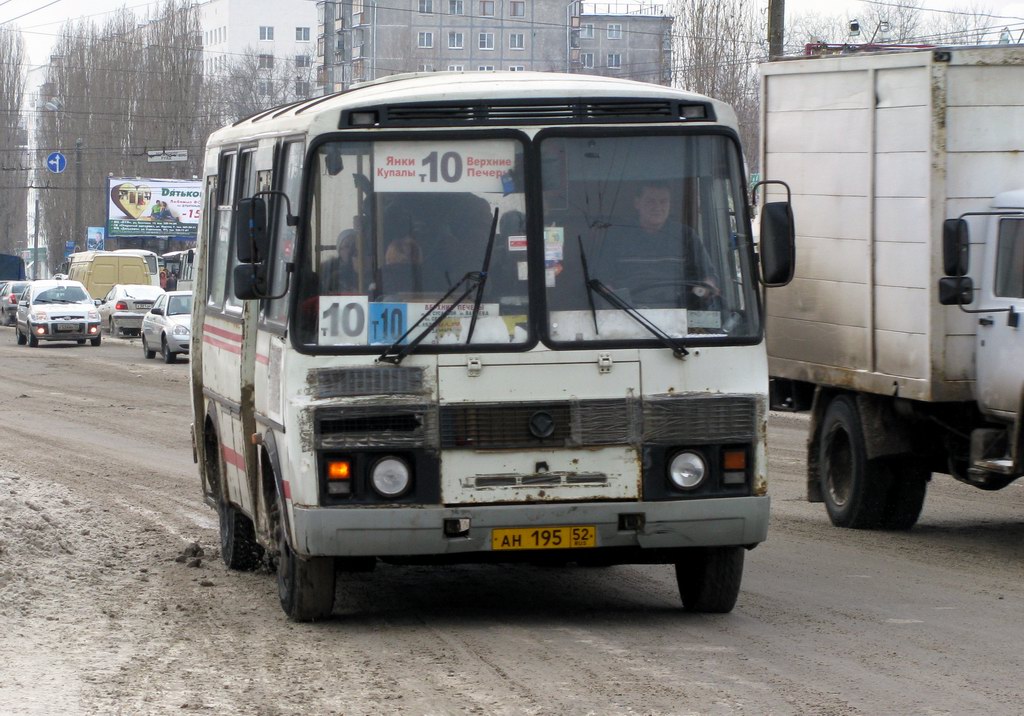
[153, 208]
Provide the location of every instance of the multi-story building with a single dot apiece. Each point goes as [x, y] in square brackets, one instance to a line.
[360, 40]
[279, 36]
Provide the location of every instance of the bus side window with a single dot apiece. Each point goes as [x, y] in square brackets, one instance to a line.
[219, 258]
[288, 179]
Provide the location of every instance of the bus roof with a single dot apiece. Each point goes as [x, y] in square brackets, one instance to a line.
[465, 99]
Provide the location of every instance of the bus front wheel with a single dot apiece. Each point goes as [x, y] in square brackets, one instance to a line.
[304, 586]
[709, 579]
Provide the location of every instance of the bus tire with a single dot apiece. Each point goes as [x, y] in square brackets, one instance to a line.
[304, 586]
[854, 489]
[709, 579]
[238, 546]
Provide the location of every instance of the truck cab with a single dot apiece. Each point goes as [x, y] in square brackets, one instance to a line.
[996, 303]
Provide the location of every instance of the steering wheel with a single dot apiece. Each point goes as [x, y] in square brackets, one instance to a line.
[699, 295]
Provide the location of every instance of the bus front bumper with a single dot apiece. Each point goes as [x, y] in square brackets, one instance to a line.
[628, 529]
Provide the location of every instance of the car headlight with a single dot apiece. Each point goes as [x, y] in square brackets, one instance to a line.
[180, 331]
[93, 315]
[687, 470]
[391, 477]
[38, 316]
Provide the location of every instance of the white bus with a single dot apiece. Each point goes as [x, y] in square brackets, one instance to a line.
[434, 323]
[182, 265]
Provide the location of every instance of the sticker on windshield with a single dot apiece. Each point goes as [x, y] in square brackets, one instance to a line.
[439, 166]
[354, 321]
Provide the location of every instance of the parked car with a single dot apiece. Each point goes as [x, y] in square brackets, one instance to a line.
[122, 309]
[51, 310]
[167, 325]
[9, 296]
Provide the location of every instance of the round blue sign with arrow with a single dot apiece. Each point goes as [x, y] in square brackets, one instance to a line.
[56, 162]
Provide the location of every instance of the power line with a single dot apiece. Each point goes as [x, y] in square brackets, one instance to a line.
[31, 12]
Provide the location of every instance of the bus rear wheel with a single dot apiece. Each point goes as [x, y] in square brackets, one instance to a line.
[304, 586]
[709, 579]
[238, 546]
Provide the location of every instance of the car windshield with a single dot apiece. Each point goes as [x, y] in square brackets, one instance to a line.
[178, 305]
[62, 294]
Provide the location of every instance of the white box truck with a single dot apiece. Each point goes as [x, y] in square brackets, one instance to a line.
[904, 343]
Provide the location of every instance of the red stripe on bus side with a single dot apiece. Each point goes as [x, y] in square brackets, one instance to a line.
[287, 488]
[233, 458]
[260, 358]
[223, 333]
[230, 347]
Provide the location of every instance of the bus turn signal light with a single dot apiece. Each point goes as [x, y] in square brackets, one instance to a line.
[339, 470]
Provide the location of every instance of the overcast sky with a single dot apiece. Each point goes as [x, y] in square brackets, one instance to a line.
[40, 20]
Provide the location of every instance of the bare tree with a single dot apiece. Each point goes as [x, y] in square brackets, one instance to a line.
[717, 45]
[13, 138]
[114, 91]
[255, 82]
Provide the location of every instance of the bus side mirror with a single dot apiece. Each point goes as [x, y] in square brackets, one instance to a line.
[956, 248]
[778, 244]
[956, 290]
[250, 281]
[252, 243]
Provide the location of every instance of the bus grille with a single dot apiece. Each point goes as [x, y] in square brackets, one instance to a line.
[344, 382]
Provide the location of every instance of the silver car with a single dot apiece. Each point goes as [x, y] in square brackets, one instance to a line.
[9, 296]
[57, 311]
[122, 309]
[167, 326]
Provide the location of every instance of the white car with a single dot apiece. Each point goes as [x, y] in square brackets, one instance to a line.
[122, 309]
[167, 326]
[57, 311]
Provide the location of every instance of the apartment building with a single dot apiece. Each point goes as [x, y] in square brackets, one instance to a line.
[361, 40]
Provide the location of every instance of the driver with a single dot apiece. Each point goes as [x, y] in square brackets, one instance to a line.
[655, 260]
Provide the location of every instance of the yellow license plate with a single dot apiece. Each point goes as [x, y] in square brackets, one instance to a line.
[569, 537]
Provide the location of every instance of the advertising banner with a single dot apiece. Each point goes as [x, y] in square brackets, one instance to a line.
[94, 236]
[153, 208]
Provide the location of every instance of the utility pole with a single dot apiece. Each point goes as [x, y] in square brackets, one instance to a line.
[78, 190]
[329, 40]
[776, 28]
[35, 241]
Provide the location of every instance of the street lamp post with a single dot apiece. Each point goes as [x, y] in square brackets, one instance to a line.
[78, 190]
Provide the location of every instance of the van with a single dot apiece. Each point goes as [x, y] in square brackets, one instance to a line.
[99, 270]
[153, 262]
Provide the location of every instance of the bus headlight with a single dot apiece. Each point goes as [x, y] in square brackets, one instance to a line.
[391, 477]
[687, 470]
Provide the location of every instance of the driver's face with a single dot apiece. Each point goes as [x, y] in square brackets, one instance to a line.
[652, 207]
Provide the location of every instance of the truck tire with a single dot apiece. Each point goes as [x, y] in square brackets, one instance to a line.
[906, 496]
[238, 546]
[855, 489]
[304, 586]
[709, 579]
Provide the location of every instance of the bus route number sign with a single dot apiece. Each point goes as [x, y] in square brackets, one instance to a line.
[480, 166]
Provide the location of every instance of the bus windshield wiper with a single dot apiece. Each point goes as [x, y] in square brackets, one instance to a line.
[586, 282]
[673, 344]
[474, 281]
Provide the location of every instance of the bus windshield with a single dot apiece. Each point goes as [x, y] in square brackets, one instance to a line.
[397, 225]
[648, 228]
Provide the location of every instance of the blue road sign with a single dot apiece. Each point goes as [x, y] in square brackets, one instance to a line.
[56, 162]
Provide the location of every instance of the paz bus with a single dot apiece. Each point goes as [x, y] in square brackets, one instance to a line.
[429, 327]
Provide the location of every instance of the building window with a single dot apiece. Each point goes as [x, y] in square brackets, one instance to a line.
[455, 7]
[517, 8]
[426, 7]
[587, 59]
[486, 41]
[614, 31]
[425, 39]
[455, 68]
[302, 61]
[587, 31]
[263, 87]
[266, 32]
[301, 88]
[516, 68]
[455, 41]
[426, 68]
[516, 41]
[302, 34]
[487, 7]
[266, 62]
[614, 60]
[486, 68]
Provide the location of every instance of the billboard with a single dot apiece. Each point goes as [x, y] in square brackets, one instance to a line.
[153, 208]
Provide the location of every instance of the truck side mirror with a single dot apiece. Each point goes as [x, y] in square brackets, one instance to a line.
[778, 244]
[956, 290]
[252, 243]
[956, 247]
[250, 281]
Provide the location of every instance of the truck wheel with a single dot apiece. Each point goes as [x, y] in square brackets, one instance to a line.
[709, 579]
[304, 586]
[854, 488]
[906, 496]
[238, 546]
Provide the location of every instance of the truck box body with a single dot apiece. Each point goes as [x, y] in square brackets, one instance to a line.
[880, 148]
